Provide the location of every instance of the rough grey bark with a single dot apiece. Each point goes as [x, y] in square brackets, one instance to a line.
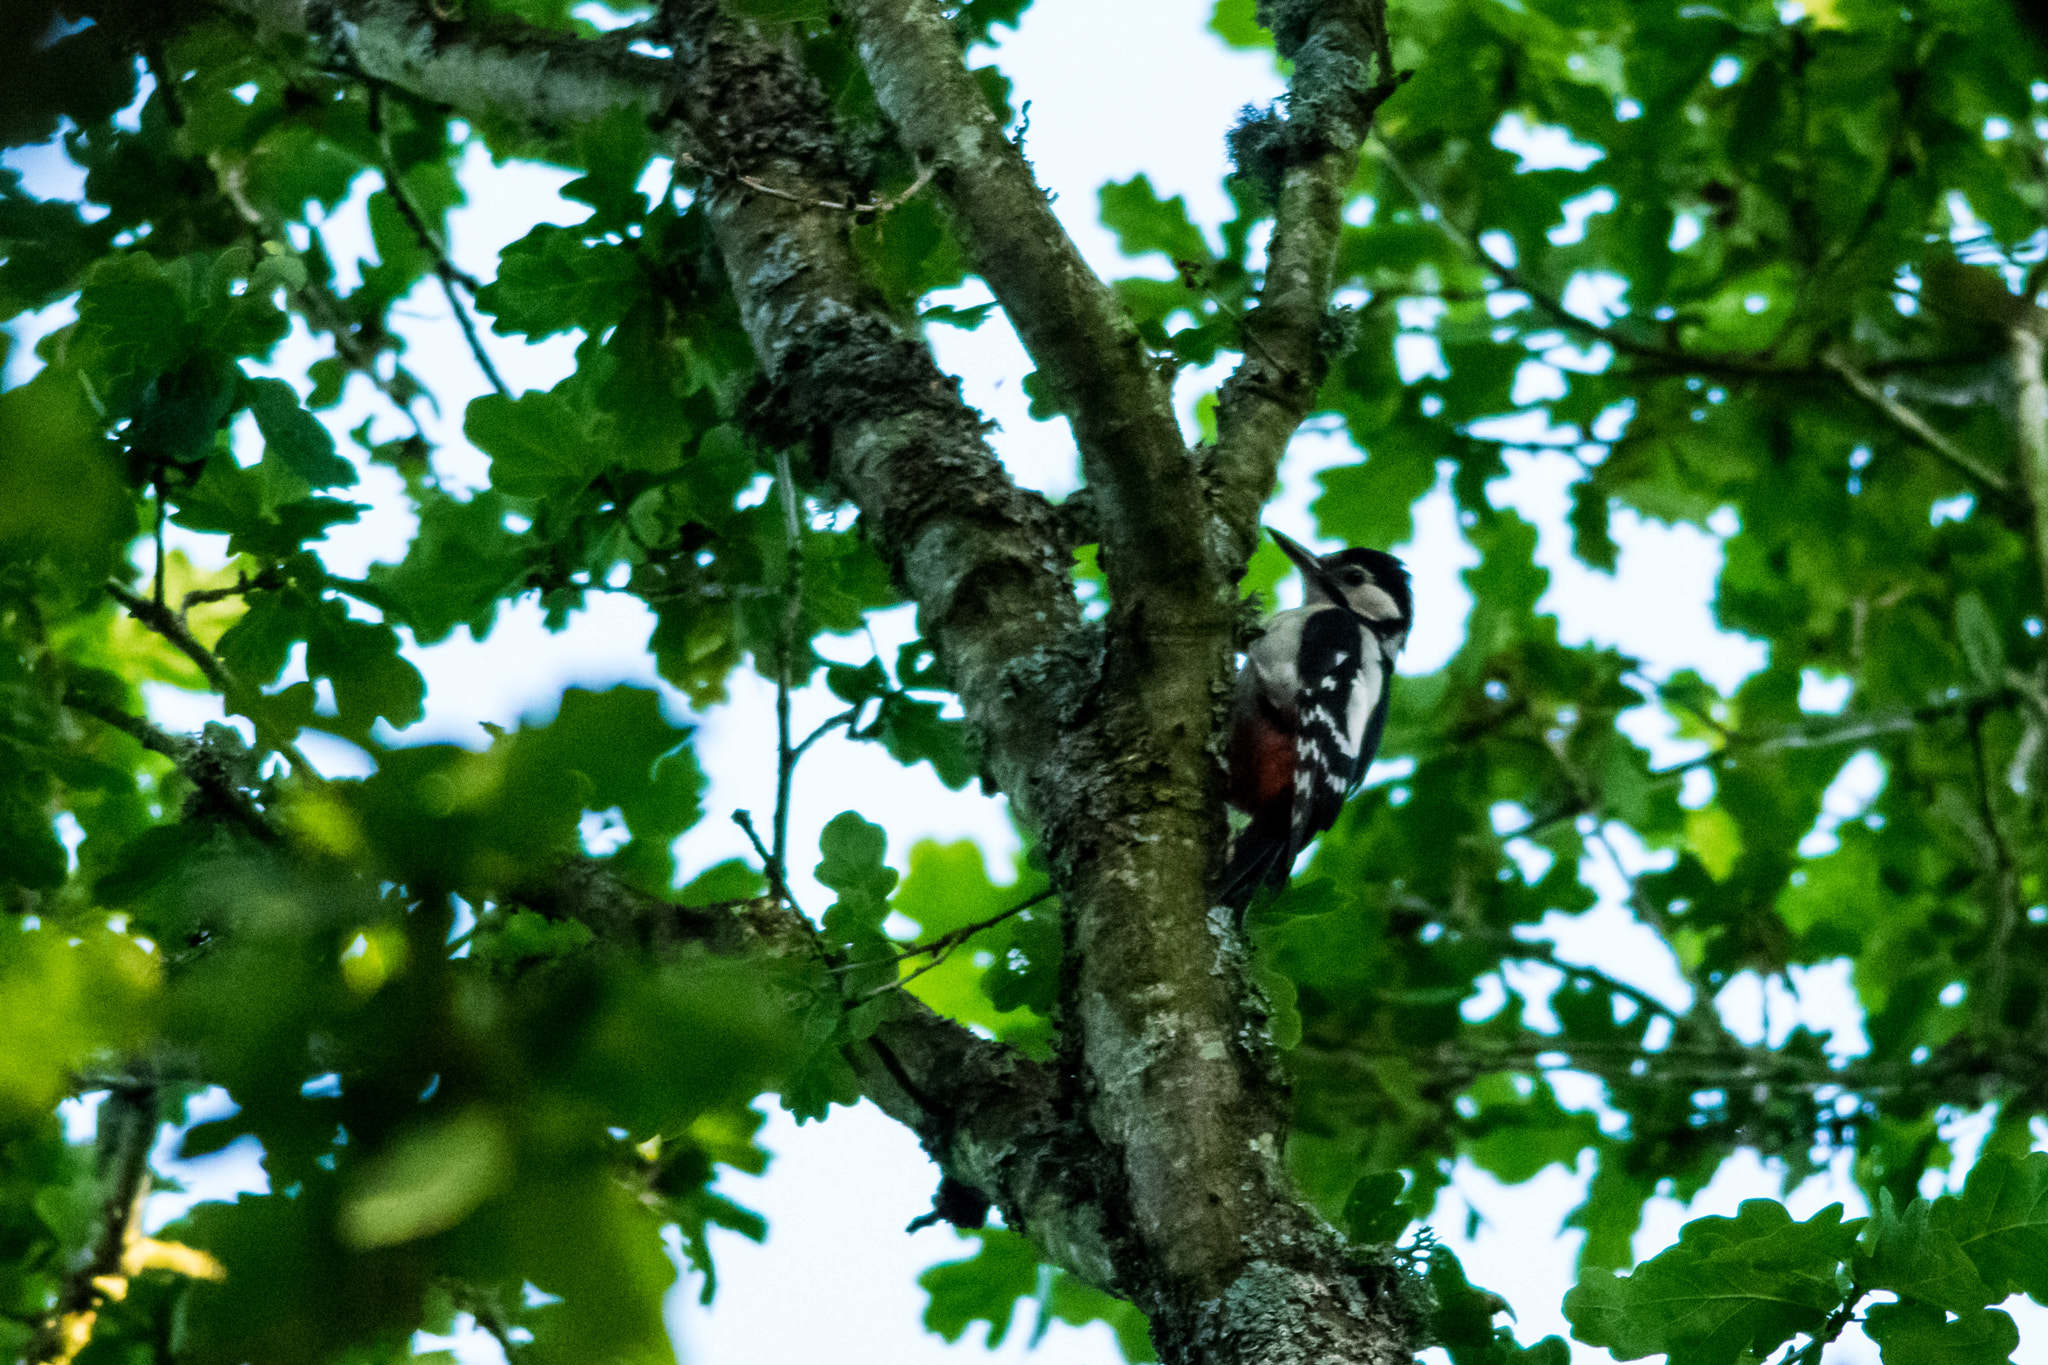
[1154, 516]
[1149, 1160]
[1343, 72]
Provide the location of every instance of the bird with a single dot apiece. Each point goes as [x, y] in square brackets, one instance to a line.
[1309, 707]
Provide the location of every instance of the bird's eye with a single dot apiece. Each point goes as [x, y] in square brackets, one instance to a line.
[1354, 578]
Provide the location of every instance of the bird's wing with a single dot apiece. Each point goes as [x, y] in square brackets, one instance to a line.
[1343, 691]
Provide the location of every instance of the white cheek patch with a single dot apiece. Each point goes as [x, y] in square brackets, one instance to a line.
[1372, 602]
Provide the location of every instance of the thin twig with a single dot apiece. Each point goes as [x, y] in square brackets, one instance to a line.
[848, 205]
[1546, 953]
[776, 886]
[469, 332]
[1191, 278]
[786, 753]
[182, 752]
[270, 578]
[954, 938]
[1810, 1354]
[1516, 281]
[162, 511]
[1736, 743]
[1914, 425]
[849, 718]
[445, 269]
[1703, 1015]
[164, 622]
[168, 624]
[940, 948]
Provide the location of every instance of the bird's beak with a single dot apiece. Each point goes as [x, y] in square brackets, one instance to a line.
[1311, 570]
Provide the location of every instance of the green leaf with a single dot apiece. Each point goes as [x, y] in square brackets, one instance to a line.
[984, 1287]
[1921, 1334]
[1374, 1212]
[540, 446]
[552, 281]
[372, 680]
[1463, 1318]
[461, 563]
[294, 436]
[2001, 1222]
[1591, 541]
[966, 319]
[1003, 970]
[430, 1180]
[1977, 631]
[63, 1002]
[912, 730]
[852, 865]
[1075, 1302]
[526, 935]
[1236, 23]
[1731, 1285]
[61, 497]
[1144, 223]
[1908, 1255]
[853, 685]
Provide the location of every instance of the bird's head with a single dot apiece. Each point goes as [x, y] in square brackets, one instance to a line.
[1371, 583]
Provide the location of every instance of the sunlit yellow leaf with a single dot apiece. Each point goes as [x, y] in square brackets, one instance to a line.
[372, 958]
[146, 1253]
[1715, 840]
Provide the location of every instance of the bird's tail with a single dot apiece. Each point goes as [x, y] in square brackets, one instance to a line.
[1261, 855]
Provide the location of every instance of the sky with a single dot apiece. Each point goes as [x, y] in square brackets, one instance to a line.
[1114, 90]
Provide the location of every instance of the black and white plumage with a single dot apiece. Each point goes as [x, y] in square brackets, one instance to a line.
[1309, 708]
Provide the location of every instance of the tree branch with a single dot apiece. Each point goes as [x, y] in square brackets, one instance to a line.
[1524, 951]
[543, 81]
[1916, 426]
[2030, 424]
[941, 948]
[1343, 72]
[171, 626]
[988, 1115]
[1154, 517]
[2006, 914]
[1664, 358]
[1737, 743]
[1163, 1178]
[444, 268]
[185, 753]
[127, 1125]
[771, 866]
[981, 557]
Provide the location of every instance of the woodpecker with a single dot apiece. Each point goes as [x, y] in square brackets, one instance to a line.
[1309, 707]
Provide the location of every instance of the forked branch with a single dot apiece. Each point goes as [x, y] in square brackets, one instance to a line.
[1343, 72]
[1154, 517]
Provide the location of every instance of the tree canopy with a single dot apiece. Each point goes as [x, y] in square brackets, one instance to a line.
[1774, 276]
